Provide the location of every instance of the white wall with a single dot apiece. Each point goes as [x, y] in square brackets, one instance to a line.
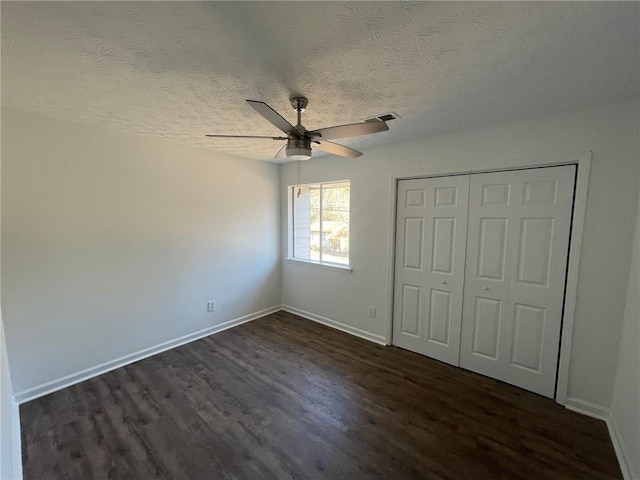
[625, 409]
[610, 132]
[113, 243]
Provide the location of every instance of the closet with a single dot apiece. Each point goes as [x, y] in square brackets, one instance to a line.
[480, 269]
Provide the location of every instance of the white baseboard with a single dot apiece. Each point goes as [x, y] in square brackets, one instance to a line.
[372, 337]
[624, 459]
[587, 408]
[603, 413]
[72, 379]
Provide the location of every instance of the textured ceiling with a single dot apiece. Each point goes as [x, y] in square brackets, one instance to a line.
[178, 70]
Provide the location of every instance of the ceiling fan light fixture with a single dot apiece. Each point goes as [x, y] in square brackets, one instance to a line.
[298, 149]
[298, 154]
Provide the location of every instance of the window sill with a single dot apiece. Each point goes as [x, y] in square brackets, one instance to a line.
[323, 266]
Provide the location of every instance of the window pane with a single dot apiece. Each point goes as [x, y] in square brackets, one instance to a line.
[335, 223]
[314, 223]
[321, 222]
[301, 231]
[314, 197]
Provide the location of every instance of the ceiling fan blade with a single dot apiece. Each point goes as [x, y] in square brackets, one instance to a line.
[351, 130]
[273, 117]
[337, 149]
[282, 153]
[246, 136]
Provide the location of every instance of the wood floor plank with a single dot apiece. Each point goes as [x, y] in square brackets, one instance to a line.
[285, 398]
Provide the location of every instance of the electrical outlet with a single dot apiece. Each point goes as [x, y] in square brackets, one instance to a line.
[211, 306]
[372, 312]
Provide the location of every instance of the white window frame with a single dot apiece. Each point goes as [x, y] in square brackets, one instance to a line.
[323, 264]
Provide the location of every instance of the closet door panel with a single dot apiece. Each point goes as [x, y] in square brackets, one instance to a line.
[527, 340]
[522, 270]
[410, 271]
[488, 265]
[439, 317]
[431, 233]
[486, 327]
[491, 248]
[541, 246]
[446, 220]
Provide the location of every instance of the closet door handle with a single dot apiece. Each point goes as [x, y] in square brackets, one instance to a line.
[444, 282]
[485, 288]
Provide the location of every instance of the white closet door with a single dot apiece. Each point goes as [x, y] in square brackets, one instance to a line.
[429, 273]
[517, 250]
[409, 269]
[487, 267]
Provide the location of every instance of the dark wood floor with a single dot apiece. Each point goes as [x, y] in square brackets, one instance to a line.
[283, 397]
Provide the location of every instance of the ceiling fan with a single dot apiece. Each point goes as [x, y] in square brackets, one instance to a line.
[299, 139]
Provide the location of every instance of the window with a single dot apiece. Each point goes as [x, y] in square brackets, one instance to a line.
[320, 222]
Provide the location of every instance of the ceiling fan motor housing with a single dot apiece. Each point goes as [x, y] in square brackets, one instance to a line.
[299, 103]
[298, 148]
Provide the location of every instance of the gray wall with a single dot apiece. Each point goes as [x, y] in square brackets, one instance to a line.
[625, 409]
[113, 243]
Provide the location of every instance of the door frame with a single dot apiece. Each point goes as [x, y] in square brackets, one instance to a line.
[582, 160]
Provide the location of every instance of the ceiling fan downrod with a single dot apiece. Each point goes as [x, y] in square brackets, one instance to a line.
[299, 104]
[299, 147]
